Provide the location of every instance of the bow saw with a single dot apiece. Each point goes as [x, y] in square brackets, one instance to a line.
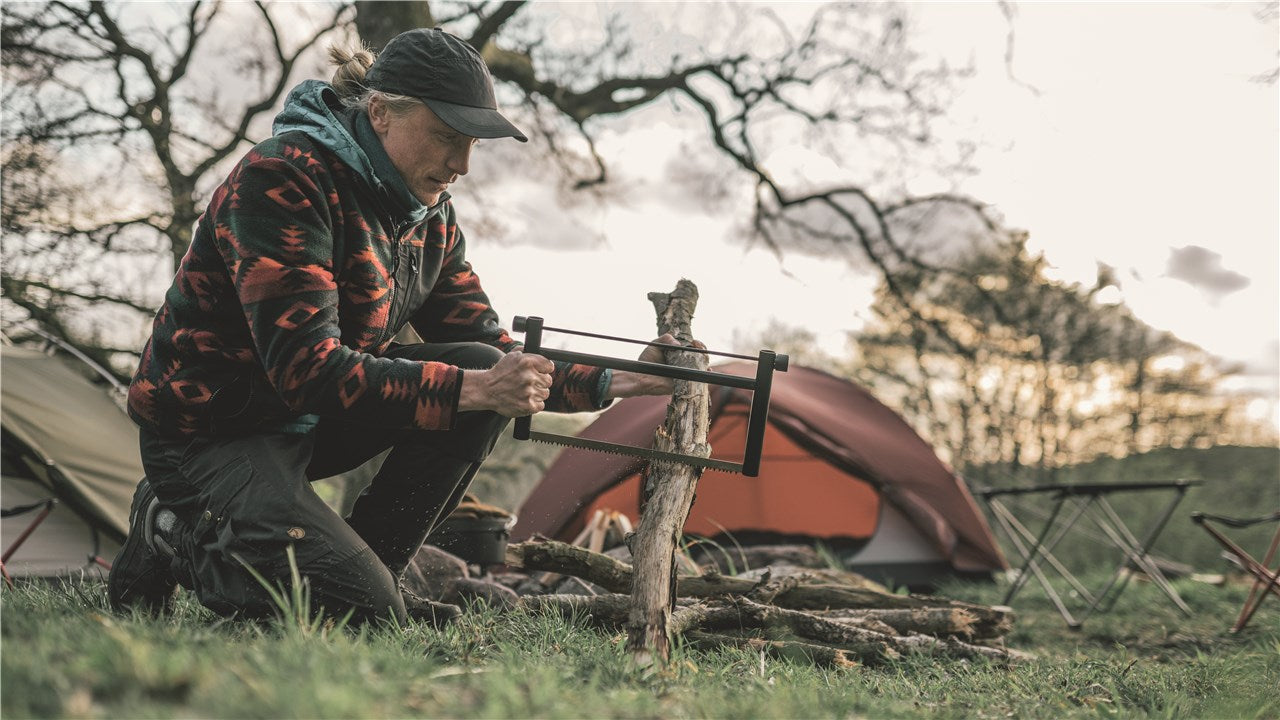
[766, 363]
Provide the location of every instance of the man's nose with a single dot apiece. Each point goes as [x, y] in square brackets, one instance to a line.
[460, 160]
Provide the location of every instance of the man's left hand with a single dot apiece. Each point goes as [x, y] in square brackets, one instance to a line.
[629, 384]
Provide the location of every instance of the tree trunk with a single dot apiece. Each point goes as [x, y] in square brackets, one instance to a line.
[668, 488]
[378, 21]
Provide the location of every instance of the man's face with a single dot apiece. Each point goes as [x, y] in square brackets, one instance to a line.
[428, 153]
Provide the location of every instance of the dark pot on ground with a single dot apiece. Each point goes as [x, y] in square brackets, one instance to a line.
[477, 540]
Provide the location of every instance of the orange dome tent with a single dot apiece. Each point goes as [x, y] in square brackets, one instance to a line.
[838, 466]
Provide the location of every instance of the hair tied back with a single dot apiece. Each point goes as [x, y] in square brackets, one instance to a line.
[352, 64]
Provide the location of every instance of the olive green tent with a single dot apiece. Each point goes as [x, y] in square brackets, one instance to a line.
[69, 448]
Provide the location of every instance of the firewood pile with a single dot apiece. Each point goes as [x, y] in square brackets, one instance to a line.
[800, 611]
[829, 617]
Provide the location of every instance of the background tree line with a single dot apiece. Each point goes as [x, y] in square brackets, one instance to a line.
[1028, 375]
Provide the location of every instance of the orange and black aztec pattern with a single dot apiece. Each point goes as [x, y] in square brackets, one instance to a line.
[297, 279]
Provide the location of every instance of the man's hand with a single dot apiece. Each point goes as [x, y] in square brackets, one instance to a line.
[517, 386]
[629, 384]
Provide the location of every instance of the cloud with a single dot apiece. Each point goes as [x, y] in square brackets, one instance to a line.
[1202, 269]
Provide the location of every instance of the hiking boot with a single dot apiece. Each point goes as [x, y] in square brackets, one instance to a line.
[140, 575]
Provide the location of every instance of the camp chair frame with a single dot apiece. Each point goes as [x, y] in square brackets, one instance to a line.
[1084, 499]
[1265, 580]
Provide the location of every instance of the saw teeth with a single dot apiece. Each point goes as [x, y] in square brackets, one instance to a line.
[579, 447]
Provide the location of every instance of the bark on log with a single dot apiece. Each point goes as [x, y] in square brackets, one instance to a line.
[960, 622]
[800, 597]
[741, 612]
[824, 655]
[930, 621]
[604, 610]
[565, 559]
[610, 610]
[867, 644]
[668, 488]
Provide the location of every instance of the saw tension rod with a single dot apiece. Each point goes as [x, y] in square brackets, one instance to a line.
[760, 386]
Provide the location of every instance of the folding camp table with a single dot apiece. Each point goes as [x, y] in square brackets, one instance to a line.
[1081, 499]
[1265, 580]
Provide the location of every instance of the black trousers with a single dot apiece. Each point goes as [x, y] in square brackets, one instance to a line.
[242, 501]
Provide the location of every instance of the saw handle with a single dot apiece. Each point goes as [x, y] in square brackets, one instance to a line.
[759, 411]
[532, 328]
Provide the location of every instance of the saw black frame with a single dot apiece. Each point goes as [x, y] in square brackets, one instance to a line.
[767, 362]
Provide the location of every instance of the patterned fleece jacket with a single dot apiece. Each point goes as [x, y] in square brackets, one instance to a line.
[311, 256]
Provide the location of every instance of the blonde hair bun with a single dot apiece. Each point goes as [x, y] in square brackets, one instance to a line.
[352, 64]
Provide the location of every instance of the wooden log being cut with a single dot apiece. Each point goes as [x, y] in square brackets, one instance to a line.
[667, 487]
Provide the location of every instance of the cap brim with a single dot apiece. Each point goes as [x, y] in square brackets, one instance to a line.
[475, 121]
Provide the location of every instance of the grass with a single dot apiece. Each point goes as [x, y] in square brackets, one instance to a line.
[66, 655]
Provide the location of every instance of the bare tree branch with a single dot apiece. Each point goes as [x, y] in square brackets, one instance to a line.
[17, 286]
[272, 96]
[194, 32]
[492, 23]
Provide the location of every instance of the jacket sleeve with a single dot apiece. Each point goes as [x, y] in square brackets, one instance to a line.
[458, 310]
[275, 234]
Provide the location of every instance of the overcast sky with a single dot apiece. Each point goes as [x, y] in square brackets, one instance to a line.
[1136, 135]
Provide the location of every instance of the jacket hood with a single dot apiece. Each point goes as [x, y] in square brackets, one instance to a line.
[313, 108]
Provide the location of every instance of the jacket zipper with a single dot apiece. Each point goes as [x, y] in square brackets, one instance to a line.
[393, 320]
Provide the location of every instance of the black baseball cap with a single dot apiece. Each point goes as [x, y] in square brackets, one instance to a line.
[447, 75]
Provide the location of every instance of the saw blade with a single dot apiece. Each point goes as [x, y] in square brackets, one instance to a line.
[631, 451]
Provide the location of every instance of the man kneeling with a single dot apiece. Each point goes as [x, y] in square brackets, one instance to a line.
[271, 363]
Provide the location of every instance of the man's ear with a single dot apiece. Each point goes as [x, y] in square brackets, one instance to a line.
[378, 115]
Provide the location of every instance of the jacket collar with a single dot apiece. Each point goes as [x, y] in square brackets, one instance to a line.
[313, 108]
